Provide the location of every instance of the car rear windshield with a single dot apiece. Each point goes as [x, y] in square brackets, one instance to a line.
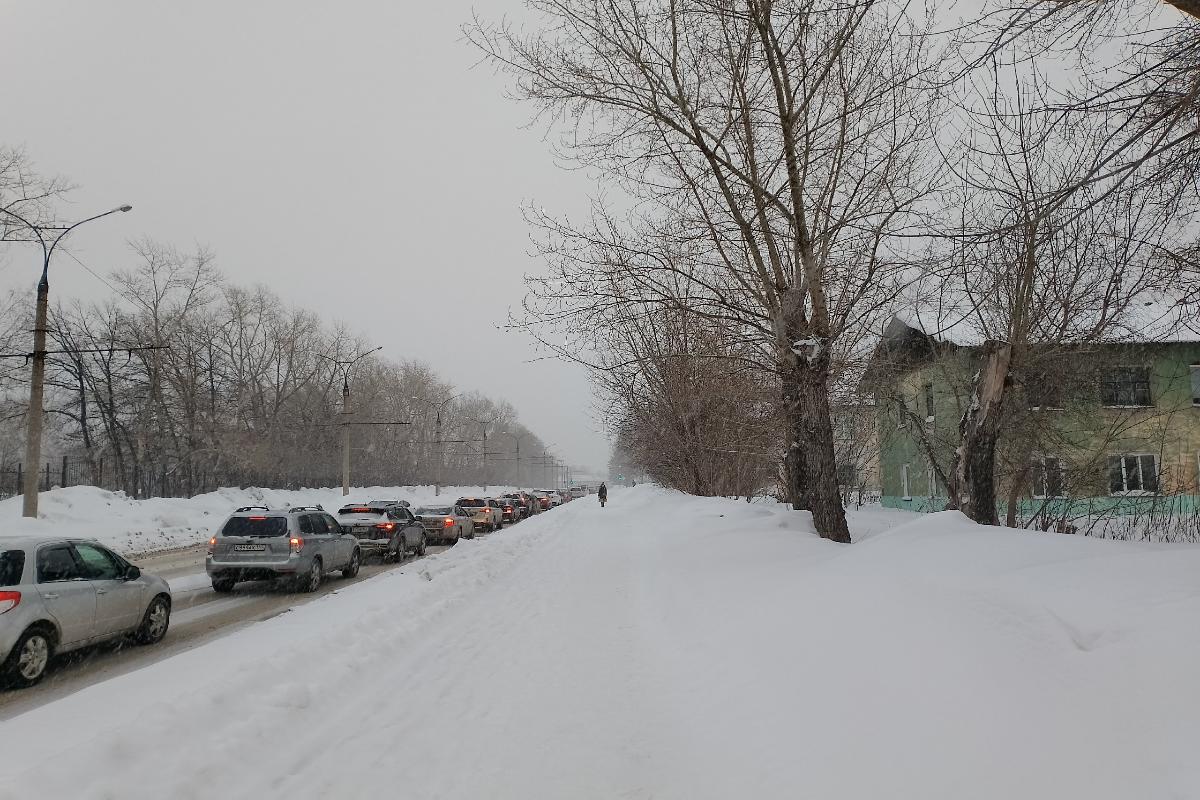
[255, 526]
[12, 564]
[472, 502]
[434, 510]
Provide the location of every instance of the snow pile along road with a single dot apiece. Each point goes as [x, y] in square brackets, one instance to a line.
[158, 523]
[674, 647]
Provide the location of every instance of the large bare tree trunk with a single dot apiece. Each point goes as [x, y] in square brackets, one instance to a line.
[805, 374]
[975, 459]
[820, 468]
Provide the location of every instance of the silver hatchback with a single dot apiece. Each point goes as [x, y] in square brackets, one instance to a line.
[302, 543]
[58, 595]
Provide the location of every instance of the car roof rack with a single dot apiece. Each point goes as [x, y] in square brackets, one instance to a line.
[251, 508]
[295, 509]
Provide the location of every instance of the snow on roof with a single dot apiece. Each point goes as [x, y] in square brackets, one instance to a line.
[1157, 319]
[943, 325]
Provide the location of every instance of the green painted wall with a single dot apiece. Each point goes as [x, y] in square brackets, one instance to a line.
[1170, 429]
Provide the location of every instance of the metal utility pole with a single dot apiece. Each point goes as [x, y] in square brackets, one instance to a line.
[33, 421]
[345, 365]
[441, 450]
[516, 439]
[345, 437]
[483, 423]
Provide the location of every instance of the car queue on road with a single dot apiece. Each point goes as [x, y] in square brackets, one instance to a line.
[63, 594]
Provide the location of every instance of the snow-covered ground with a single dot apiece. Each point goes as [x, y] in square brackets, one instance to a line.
[142, 526]
[674, 647]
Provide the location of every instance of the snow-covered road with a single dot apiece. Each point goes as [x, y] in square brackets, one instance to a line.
[674, 647]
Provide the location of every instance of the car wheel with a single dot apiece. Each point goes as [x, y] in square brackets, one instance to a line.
[352, 568]
[398, 556]
[155, 622]
[311, 581]
[223, 585]
[26, 664]
[471, 535]
[421, 546]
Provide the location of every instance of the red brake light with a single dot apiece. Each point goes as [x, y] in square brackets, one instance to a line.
[9, 601]
[449, 522]
[212, 545]
[258, 519]
[387, 526]
[487, 509]
[296, 542]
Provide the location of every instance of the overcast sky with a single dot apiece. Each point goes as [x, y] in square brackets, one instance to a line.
[346, 154]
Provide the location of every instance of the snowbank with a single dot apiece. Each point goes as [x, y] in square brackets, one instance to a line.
[675, 647]
[141, 526]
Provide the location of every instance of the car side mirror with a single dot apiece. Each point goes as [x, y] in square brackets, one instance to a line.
[133, 573]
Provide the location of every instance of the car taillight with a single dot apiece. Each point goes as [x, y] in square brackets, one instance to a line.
[212, 545]
[449, 522]
[487, 509]
[9, 601]
[296, 542]
[385, 526]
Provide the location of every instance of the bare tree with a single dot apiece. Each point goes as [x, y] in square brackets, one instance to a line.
[787, 137]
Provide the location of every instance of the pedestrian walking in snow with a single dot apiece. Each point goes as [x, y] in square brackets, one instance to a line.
[603, 493]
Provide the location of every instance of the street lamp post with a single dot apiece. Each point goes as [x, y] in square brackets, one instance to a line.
[346, 365]
[437, 484]
[33, 422]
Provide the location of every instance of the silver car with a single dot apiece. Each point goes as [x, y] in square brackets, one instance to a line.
[302, 543]
[446, 524]
[58, 595]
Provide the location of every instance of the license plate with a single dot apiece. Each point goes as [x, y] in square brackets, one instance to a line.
[249, 548]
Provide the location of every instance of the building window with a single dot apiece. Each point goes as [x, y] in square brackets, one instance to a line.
[1125, 387]
[1043, 392]
[1195, 384]
[905, 493]
[935, 489]
[929, 402]
[1136, 473]
[847, 475]
[1048, 478]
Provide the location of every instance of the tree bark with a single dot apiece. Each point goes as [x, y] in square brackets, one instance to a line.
[975, 459]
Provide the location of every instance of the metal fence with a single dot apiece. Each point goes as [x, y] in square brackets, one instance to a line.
[60, 472]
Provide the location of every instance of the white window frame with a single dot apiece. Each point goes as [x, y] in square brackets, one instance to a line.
[904, 485]
[1125, 477]
[1039, 463]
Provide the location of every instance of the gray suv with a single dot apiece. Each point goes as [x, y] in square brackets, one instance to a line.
[302, 543]
[58, 595]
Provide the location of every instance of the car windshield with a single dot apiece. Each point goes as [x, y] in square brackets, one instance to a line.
[12, 564]
[434, 510]
[255, 526]
[472, 502]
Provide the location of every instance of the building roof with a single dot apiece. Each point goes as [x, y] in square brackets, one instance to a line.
[1160, 319]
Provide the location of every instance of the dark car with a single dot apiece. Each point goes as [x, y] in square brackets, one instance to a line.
[518, 507]
[384, 527]
[525, 505]
[509, 510]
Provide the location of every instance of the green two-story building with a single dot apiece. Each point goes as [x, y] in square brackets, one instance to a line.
[1107, 426]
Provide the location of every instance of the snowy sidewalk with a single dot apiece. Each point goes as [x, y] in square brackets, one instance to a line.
[674, 647]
